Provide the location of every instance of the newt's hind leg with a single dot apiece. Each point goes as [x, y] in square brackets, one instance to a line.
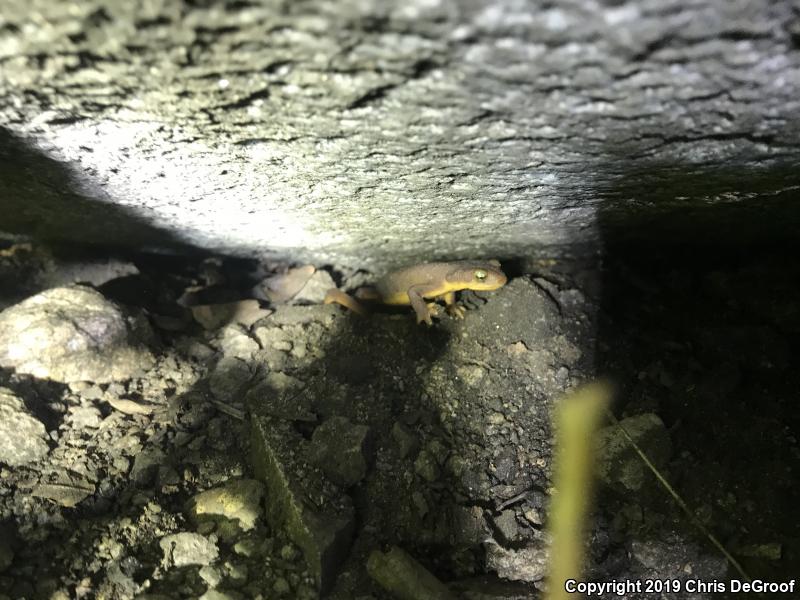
[339, 297]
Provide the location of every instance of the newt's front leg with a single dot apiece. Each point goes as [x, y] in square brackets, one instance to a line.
[453, 309]
[433, 308]
[415, 298]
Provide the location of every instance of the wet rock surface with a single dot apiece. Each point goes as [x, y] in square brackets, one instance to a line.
[278, 464]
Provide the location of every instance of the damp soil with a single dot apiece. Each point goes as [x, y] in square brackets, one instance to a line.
[437, 441]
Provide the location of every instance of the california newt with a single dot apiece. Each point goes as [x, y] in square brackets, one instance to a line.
[412, 285]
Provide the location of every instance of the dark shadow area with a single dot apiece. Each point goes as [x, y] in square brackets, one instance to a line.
[369, 371]
[700, 325]
[35, 188]
[681, 204]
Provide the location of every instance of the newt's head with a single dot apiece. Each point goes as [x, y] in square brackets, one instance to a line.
[477, 276]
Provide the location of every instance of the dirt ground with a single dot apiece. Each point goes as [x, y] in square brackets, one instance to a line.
[168, 436]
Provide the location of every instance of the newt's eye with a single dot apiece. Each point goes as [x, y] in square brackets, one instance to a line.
[480, 274]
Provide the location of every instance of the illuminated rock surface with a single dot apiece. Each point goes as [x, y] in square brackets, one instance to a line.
[22, 436]
[376, 133]
[73, 334]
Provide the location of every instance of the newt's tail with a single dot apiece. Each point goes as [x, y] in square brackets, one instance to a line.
[339, 297]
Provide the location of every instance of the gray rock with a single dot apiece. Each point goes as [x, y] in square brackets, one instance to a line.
[146, 465]
[315, 289]
[618, 463]
[194, 348]
[405, 578]
[323, 531]
[228, 378]
[467, 525]
[236, 343]
[191, 411]
[245, 546]
[407, 442]
[236, 572]
[68, 491]
[238, 500]
[529, 563]
[210, 575]
[281, 396]
[302, 315]
[427, 466]
[218, 595]
[124, 585]
[22, 436]
[339, 448]
[88, 392]
[288, 552]
[273, 337]
[73, 334]
[281, 586]
[84, 417]
[181, 549]
[167, 476]
[506, 524]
